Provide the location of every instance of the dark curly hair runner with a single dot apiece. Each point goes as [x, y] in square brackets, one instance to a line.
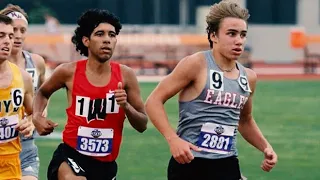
[88, 22]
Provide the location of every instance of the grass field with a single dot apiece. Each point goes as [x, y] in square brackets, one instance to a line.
[287, 112]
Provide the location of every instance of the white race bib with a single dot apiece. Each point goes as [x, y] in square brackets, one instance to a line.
[244, 83]
[216, 80]
[7, 128]
[216, 138]
[94, 141]
[33, 73]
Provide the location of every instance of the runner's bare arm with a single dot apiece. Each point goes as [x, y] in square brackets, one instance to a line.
[135, 111]
[56, 81]
[41, 67]
[183, 74]
[247, 125]
[25, 126]
[28, 93]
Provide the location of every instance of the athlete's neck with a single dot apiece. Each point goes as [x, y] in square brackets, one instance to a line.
[3, 66]
[97, 67]
[223, 62]
[16, 58]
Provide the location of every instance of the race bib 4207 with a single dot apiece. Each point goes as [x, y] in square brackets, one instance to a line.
[7, 128]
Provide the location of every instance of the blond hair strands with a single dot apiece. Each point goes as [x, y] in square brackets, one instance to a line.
[14, 8]
[221, 10]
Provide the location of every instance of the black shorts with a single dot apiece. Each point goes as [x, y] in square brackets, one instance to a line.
[81, 165]
[205, 169]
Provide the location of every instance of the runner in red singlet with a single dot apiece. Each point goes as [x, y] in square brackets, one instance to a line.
[101, 94]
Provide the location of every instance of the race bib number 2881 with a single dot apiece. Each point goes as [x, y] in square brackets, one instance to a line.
[216, 138]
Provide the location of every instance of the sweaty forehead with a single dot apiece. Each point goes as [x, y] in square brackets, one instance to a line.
[19, 23]
[233, 23]
[7, 29]
[104, 27]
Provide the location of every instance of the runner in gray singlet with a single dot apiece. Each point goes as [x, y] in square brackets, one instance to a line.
[29, 155]
[211, 120]
[215, 103]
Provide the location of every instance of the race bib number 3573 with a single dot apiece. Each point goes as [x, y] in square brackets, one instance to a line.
[94, 141]
[7, 128]
[216, 138]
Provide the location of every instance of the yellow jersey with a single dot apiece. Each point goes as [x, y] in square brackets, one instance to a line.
[11, 112]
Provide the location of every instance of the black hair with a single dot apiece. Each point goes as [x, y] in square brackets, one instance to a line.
[88, 22]
[5, 19]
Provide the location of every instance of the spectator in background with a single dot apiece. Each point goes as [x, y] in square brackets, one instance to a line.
[52, 24]
[52, 27]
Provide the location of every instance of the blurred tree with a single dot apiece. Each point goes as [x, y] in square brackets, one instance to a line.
[36, 14]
